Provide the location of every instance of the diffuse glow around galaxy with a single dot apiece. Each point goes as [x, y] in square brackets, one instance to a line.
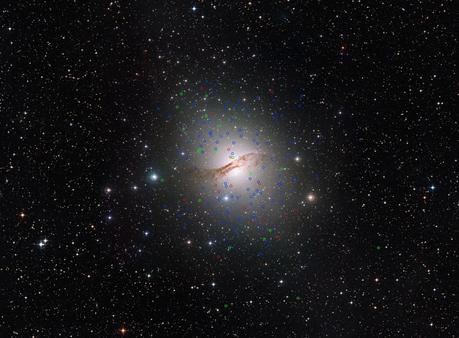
[238, 166]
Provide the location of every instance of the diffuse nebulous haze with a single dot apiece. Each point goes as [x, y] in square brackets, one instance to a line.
[228, 169]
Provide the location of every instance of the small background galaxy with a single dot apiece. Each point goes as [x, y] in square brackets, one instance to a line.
[228, 169]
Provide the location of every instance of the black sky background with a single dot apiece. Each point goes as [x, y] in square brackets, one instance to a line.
[83, 86]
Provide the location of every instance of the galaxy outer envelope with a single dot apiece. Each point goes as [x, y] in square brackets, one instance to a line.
[237, 171]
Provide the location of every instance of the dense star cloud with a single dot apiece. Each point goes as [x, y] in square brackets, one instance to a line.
[228, 169]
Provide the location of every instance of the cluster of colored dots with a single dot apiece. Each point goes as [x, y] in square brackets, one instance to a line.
[252, 190]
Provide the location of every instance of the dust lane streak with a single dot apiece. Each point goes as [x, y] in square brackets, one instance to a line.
[248, 160]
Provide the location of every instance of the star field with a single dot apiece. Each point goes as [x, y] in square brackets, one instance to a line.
[235, 168]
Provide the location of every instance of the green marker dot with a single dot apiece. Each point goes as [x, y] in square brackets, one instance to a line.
[199, 200]
[378, 247]
[226, 306]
